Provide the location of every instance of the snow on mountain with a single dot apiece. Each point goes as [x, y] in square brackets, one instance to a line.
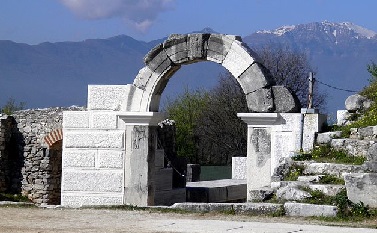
[280, 31]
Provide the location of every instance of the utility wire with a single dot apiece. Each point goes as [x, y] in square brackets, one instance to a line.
[336, 88]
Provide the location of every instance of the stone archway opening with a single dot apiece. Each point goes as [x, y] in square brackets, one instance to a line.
[54, 167]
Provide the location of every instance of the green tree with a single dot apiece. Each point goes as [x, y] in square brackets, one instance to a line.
[185, 110]
[11, 106]
[372, 69]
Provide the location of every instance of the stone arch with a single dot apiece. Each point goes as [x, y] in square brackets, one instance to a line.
[53, 137]
[166, 58]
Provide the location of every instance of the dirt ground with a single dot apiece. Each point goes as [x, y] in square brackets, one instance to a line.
[45, 220]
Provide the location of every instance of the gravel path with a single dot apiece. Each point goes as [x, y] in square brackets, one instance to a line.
[39, 220]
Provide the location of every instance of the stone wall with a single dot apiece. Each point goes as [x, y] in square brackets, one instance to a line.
[27, 164]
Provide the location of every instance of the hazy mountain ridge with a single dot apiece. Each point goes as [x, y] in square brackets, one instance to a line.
[57, 74]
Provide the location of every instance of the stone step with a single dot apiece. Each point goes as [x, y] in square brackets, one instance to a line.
[310, 179]
[330, 168]
[169, 197]
[309, 210]
[327, 189]
[238, 208]
[216, 191]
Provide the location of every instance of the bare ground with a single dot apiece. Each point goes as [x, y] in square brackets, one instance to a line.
[42, 220]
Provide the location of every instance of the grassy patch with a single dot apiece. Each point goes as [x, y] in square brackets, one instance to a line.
[331, 179]
[294, 172]
[13, 197]
[327, 154]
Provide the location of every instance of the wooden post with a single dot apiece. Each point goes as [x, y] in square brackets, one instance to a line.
[311, 84]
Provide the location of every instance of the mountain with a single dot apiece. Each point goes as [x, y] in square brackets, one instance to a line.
[338, 52]
[57, 74]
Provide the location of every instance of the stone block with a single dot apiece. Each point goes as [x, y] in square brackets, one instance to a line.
[331, 168]
[309, 210]
[75, 119]
[107, 97]
[342, 117]
[354, 147]
[239, 58]
[159, 161]
[94, 139]
[284, 100]
[176, 48]
[193, 172]
[237, 192]
[197, 44]
[260, 100]
[169, 197]
[362, 187]
[257, 208]
[239, 168]
[310, 179]
[258, 195]
[255, 77]
[92, 181]
[163, 179]
[78, 158]
[157, 59]
[325, 138]
[142, 78]
[218, 47]
[104, 120]
[291, 193]
[204, 207]
[327, 189]
[110, 159]
[85, 199]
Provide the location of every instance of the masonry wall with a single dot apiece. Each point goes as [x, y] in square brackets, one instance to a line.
[27, 164]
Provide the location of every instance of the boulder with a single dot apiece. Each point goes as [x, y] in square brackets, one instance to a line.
[357, 102]
[291, 193]
[362, 187]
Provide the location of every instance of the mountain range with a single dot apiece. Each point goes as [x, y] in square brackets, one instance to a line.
[57, 74]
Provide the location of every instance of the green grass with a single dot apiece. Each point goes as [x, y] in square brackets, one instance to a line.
[331, 179]
[327, 154]
[294, 172]
[13, 197]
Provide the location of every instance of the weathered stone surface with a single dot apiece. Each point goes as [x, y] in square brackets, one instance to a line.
[284, 100]
[291, 193]
[76, 119]
[176, 48]
[157, 59]
[107, 97]
[310, 179]
[362, 187]
[84, 199]
[255, 77]
[372, 153]
[80, 158]
[325, 138]
[238, 59]
[110, 159]
[260, 100]
[163, 179]
[354, 147]
[203, 207]
[371, 166]
[258, 195]
[309, 210]
[218, 47]
[239, 168]
[342, 117]
[93, 181]
[365, 133]
[104, 120]
[327, 189]
[330, 168]
[197, 45]
[94, 139]
[357, 102]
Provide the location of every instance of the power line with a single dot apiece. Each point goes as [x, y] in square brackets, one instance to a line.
[336, 88]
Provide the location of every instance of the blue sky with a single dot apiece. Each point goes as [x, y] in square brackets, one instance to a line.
[36, 21]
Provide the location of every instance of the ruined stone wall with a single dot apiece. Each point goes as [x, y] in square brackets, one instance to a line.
[7, 124]
[35, 167]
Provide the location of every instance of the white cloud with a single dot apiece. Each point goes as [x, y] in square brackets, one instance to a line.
[139, 13]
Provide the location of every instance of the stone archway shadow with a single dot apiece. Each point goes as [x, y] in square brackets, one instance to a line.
[165, 59]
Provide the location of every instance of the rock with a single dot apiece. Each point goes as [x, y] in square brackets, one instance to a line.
[309, 210]
[327, 189]
[260, 194]
[310, 179]
[362, 187]
[325, 138]
[342, 117]
[284, 100]
[357, 102]
[372, 153]
[291, 193]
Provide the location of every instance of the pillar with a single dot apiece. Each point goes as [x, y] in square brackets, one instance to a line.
[258, 150]
[141, 139]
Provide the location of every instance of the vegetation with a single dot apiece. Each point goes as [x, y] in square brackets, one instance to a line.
[13, 197]
[367, 117]
[327, 154]
[11, 106]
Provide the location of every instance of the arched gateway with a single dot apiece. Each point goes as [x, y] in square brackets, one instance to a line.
[110, 155]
